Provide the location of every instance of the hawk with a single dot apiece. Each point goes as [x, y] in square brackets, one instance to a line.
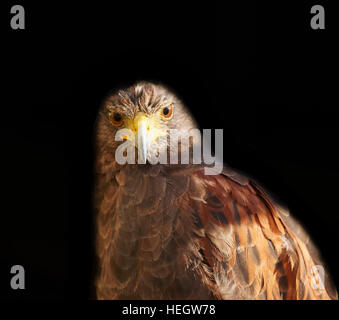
[169, 231]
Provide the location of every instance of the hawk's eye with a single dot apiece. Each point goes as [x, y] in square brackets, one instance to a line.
[167, 112]
[116, 119]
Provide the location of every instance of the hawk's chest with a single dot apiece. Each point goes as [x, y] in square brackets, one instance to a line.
[153, 238]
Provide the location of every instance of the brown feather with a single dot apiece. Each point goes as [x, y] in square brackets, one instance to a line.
[172, 232]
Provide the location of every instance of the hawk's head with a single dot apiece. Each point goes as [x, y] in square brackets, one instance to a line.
[149, 111]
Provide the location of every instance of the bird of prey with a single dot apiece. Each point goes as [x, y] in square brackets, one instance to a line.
[169, 231]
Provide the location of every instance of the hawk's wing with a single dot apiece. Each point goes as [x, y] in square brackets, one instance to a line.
[252, 246]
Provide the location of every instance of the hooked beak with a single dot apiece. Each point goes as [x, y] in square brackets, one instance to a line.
[144, 137]
[146, 130]
[143, 128]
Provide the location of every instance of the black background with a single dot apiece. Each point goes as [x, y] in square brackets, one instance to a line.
[255, 69]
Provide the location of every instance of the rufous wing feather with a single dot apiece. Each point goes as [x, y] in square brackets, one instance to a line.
[253, 248]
